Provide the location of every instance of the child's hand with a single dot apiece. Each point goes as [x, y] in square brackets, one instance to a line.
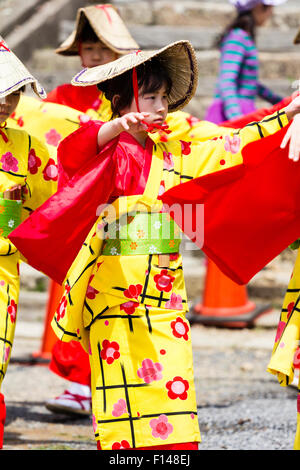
[293, 108]
[293, 136]
[132, 122]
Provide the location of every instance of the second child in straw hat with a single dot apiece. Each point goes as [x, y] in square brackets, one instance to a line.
[132, 323]
[27, 178]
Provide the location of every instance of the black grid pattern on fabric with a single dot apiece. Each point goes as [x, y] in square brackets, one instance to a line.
[127, 386]
[5, 340]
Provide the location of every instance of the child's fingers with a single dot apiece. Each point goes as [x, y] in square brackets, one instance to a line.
[286, 139]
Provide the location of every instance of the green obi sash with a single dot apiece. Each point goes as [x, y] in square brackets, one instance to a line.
[141, 234]
[10, 215]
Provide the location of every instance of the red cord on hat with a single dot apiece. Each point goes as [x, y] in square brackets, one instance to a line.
[4, 46]
[3, 135]
[104, 8]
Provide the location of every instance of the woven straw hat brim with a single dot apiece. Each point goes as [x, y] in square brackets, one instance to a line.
[14, 74]
[178, 58]
[108, 26]
[297, 38]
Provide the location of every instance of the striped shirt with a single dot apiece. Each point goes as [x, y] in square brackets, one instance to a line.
[238, 76]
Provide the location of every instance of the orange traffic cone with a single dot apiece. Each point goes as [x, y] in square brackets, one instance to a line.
[49, 338]
[225, 303]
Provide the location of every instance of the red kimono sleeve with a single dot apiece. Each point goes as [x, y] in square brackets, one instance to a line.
[251, 211]
[52, 236]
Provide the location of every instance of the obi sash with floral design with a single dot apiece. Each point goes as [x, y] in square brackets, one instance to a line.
[141, 234]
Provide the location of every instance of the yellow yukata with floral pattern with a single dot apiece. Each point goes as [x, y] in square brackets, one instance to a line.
[52, 122]
[24, 161]
[128, 311]
[286, 352]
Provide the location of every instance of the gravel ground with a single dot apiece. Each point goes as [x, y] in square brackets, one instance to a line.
[240, 405]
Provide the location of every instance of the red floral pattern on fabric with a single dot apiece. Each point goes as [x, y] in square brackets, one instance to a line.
[180, 328]
[185, 147]
[175, 302]
[168, 161]
[177, 388]
[121, 445]
[161, 427]
[232, 144]
[290, 308]
[164, 281]
[192, 120]
[281, 326]
[53, 137]
[34, 162]
[296, 361]
[50, 171]
[133, 291]
[61, 310]
[150, 371]
[9, 162]
[12, 310]
[91, 292]
[119, 408]
[129, 307]
[110, 351]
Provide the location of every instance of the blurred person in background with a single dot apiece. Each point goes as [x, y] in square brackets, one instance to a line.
[238, 84]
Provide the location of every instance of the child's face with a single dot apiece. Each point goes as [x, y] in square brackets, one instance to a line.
[8, 105]
[154, 103]
[96, 53]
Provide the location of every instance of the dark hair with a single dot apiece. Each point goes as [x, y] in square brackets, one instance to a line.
[244, 20]
[150, 76]
[87, 34]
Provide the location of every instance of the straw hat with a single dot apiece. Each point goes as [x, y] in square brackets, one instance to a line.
[178, 59]
[108, 26]
[14, 75]
[297, 38]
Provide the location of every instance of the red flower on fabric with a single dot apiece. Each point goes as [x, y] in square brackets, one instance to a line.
[129, 307]
[281, 326]
[192, 120]
[121, 445]
[150, 371]
[67, 288]
[61, 310]
[162, 188]
[50, 171]
[168, 161]
[20, 121]
[91, 292]
[296, 361]
[180, 328]
[161, 427]
[232, 144]
[177, 388]
[185, 147]
[53, 137]
[96, 104]
[290, 308]
[34, 162]
[83, 119]
[9, 162]
[164, 281]
[133, 291]
[12, 310]
[110, 351]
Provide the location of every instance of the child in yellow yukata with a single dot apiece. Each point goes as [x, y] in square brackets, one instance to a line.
[125, 297]
[100, 36]
[28, 177]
